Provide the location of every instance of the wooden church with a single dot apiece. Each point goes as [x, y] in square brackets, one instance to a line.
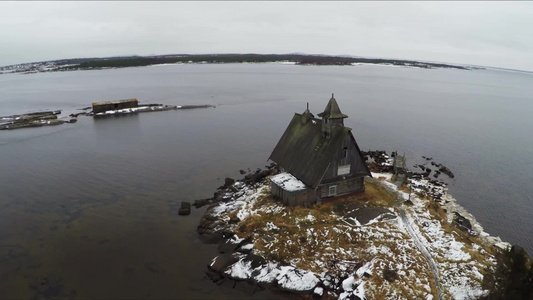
[318, 159]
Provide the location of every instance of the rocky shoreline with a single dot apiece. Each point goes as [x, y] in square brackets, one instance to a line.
[351, 248]
[37, 119]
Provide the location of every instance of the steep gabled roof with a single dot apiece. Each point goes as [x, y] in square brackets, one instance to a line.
[332, 110]
[304, 152]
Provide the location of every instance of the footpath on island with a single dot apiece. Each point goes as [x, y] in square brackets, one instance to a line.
[408, 240]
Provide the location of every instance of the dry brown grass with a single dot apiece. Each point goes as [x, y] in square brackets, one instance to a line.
[438, 213]
[405, 286]
[436, 210]
[292, 242]
[374, 195]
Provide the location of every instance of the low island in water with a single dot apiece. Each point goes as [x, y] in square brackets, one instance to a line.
[407, 241]
[369, 229]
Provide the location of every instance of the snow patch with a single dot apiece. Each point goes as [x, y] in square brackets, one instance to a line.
[296, 280]
[387, 176]
[288, 182]
[318, 291]
[240, 270]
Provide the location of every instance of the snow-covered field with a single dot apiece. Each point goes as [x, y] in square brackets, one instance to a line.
[406, 253]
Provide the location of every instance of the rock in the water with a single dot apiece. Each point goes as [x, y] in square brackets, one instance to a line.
[201, 202]
[446, 171]
[210, 237]
[227, 246]
[214, 276]
[228, 182]
[223, 261]
[185, 209]
[462, 222]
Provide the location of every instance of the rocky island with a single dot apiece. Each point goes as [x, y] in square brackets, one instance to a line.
[402, 237]
[36, 119]
[99, 110]
[384, 243]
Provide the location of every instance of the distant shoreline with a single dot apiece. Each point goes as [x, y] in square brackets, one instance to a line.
[142, 61]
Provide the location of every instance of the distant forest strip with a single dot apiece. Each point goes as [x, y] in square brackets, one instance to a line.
[300, 59]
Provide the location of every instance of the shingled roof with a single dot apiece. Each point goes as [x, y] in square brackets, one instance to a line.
[332, 110]
[304, 152]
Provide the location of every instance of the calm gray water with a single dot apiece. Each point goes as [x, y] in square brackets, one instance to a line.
[92, 206]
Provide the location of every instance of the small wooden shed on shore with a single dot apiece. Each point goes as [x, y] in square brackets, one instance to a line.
[291, 191]
[321, 156]
[114, 105]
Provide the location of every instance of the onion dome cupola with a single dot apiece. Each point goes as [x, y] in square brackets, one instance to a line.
[331, 116]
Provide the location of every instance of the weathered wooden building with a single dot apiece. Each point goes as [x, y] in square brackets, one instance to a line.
[319, 158]
[114, 105]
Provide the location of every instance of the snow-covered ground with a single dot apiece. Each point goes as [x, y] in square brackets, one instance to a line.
[317, 251]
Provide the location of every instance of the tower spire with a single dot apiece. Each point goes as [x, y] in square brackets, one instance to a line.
[331, 116]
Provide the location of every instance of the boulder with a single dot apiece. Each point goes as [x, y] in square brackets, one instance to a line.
[256, 260]
[462, 222]
[209, 236]
[185, 208]
[201, 202]
[234, 220]
[227, 246]
[256, 177]
[214, 276]
[446, 171]
[223, 261]
[228, 182]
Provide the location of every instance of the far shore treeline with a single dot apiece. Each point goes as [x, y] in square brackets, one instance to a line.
[302, 59]
[139, 61]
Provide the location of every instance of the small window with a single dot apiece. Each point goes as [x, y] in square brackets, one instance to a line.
[332, 190]
[345, 152]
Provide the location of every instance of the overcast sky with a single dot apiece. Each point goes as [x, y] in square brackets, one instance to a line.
[498, 34]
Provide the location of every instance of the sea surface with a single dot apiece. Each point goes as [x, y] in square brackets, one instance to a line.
[89, 210]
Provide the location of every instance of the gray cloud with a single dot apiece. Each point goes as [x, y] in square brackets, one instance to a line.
[484, 33]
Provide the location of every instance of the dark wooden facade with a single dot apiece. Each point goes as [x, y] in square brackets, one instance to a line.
[323, 154]
[114, 105]
[305, 197]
